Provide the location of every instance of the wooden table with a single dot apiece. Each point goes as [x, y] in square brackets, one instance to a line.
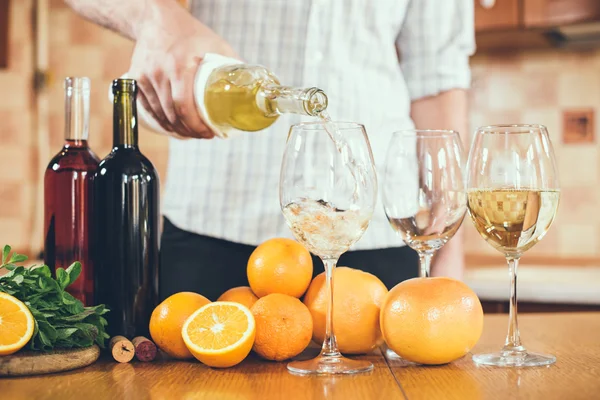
[574, 338]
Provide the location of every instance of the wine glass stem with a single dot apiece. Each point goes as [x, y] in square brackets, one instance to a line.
[425, 264]
[330, 348]
[513, 339]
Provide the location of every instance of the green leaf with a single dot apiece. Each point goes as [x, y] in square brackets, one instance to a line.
[80, 316]
[63, 278]
[65, 333]
[42, 270]
[45, 342]
[18, 258]
[42, 283]
[74, 271]
[5, 253]
[36, 331]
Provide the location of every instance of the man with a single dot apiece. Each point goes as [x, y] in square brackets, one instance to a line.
[389, 64]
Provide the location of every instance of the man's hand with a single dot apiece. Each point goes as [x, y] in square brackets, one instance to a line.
[170, 45]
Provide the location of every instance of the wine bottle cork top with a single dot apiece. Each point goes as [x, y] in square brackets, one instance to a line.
[124, 85]
[121, 349]
[145, 349]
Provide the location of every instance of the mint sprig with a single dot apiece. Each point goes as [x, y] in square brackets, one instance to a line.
[61, 320]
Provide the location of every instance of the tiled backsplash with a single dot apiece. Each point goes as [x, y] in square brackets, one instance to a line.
[527, 87]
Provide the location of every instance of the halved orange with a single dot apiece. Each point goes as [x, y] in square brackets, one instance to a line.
[220, 334]
[16, 324]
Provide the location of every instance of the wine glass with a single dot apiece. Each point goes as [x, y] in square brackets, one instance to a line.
[423, 190]
[512, 198]
[327, 192]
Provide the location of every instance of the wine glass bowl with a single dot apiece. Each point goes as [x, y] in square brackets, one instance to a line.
[423, 190]
[512, 197]
[328, 192]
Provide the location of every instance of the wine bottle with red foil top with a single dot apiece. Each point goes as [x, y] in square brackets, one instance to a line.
[68, 193]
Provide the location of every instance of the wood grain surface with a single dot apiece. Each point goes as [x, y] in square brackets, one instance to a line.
[573, 338]
[253, 379]
[36, 363]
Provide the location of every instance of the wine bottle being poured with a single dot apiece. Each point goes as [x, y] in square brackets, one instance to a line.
[250, 98]
[231, 96]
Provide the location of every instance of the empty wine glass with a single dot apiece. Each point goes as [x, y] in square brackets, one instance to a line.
[513, 194]
[327, 192]
[423, 190]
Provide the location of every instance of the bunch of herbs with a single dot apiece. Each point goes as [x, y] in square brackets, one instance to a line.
[61, 320]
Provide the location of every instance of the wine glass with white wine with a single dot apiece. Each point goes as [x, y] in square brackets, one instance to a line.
[512, 198]
[327, 192]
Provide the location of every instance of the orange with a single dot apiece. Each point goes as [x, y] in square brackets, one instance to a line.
[16, 324]
[168, 318]
[431, 320]
[220, 334]
[357, 297]
[283, 327]
[242, 295]
[280, 266]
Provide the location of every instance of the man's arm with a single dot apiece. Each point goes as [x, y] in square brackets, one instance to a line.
[447, 110]
[170, 45]
[123, 17]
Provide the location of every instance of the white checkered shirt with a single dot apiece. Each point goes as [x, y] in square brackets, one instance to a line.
[349, 48]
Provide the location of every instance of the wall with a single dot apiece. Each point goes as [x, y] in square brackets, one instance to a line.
[18, 163]
[536, 87]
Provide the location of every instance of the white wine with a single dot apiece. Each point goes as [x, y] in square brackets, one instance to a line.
[429, 229]
[512, 220]
[250, 98]
[359, 172]
[325, 230]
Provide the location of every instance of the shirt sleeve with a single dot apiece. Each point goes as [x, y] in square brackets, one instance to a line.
[434, 45]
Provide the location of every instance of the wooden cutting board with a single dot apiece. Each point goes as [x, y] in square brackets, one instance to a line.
[26, 363]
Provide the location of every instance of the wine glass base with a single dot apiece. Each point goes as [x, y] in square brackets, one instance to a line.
[322, 365]
[501, 359]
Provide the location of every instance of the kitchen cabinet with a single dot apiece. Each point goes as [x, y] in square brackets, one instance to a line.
[524, 24]
[502, 15]
[551, 13]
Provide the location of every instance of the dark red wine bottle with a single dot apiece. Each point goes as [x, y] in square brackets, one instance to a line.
[68, 194]
[127, 222]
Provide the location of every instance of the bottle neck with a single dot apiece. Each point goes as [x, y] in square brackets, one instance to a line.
[125, 131]
[285, 99]
[77, 109]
